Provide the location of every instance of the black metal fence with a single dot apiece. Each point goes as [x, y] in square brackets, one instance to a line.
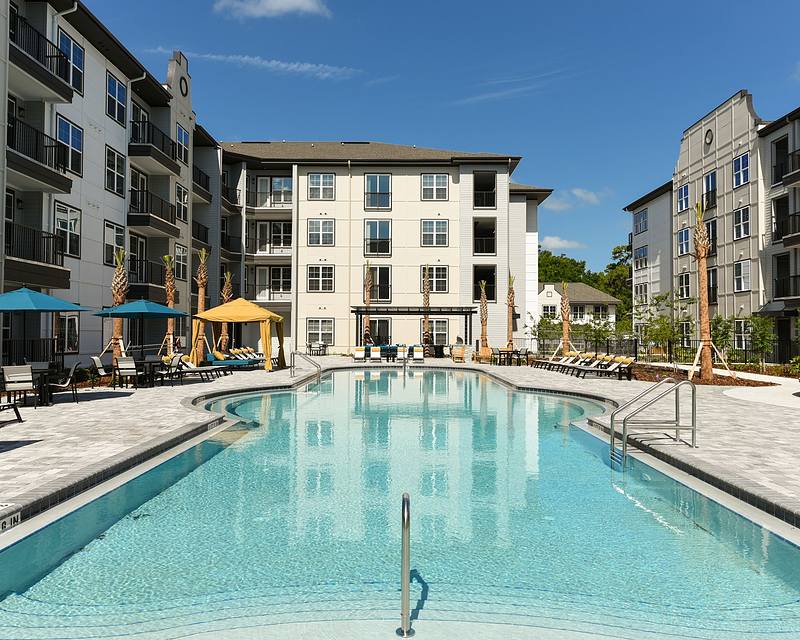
[199, 232]
[145, 132]
[201, 178]
[145, 202]
[38, 47]
[19, 351]
[32, 244]
[36, 145]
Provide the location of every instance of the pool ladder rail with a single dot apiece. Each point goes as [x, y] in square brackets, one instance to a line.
[293, 364]
[405, 630]
[650, 425]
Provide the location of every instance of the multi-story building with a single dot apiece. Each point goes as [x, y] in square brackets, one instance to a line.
[745, 172]
[587, 304]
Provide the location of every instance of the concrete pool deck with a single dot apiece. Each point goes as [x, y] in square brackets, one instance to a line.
[749, 438]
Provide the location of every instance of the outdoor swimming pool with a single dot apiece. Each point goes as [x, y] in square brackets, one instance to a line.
[517, 520]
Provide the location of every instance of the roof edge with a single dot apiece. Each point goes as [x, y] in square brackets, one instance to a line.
[652, 195]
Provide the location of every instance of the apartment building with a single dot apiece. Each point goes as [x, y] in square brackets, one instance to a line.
[745, 171]
[302, 220]
[587, 304]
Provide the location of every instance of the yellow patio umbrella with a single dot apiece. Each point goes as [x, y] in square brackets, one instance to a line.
[241, 310]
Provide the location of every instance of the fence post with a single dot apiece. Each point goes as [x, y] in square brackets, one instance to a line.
[669, 351]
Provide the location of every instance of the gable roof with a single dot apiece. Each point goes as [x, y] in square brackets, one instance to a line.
[647, 197]
[529, 191]
[582, 293]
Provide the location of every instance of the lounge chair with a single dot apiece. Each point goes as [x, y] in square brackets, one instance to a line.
[584, 359]
[359, 354]
[570, 357]
[457, 353]
[402, 354]
[100, 370]
[171, 372]
[19, 379]
[220, 359]
[187, 368]
[418, 356]
[124, 370]
[374, 354]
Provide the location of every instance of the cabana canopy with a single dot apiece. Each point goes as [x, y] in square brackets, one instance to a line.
[241, 310]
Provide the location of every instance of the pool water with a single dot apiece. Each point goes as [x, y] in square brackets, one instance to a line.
[518, 521]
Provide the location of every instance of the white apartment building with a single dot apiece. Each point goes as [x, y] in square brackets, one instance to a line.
[746, 172]
[587, 304]
[303, 219]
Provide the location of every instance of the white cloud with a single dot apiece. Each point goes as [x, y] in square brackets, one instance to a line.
[270, 8]
[554, 203]
[496, 95]
[554, 243]
[586, 196]
[313, 69]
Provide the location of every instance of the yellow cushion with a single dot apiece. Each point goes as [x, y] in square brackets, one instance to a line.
[218, 355]
[166, 359]
[185, 358]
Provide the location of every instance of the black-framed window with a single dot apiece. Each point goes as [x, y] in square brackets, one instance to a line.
[116, 98]
[640, 222]
[181, 262]
[321, 186]
[684, 290]
[711, 230]
[439, 276]
[320, 330]
[182, 144]
[381, 283]
[548, 311]
[377, 237]
[113, 239]
[320, 278]
[484, 236]
[321, 232]
[76, 55]
[440, 330]
[115, 171]
[741, 170]
[71, 135]
[484, 189]
[377, 191]
[68, 228]
[487, 273]
[435, 233]
[181, 202]
[435, 186]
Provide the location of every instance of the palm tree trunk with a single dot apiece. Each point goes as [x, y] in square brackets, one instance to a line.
[565, 309]
[510, 304]
[227, 296]
[485, 353]
[199, 346]
[702, 246]
[169, 286]
[426, 320]
[367, 302]
[119, 292]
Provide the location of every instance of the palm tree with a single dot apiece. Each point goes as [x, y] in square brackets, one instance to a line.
[565, 308]
[119, 292]
[702, 247]
[199, 346]
[510, 304]
[426, 304]
[485, 354]
[169, 286]
[367, 302]
[227, 295]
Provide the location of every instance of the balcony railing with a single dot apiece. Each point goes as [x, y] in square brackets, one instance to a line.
[38, 146]
[231, 243]
[19, 351]
[27, 243]
[377, 247]
[145, 132]
[262, 292]
[377, 200]
[712, 295]
[787, 287]
[145, 202]
[787, 226]
[266, 199]
[200, 232]
[794, 161]
[485, 199]
[38, 47]
[231, 194]
[143, 271]
[200, 178]
[710, 199]
[780, 169]
[484, 245]
[381, 293]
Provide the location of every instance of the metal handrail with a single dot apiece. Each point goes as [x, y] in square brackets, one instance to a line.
[405, 630]
[292, 364]
[630, 402]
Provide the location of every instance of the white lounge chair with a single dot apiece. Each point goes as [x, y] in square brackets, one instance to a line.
[402, 354]
[374, 354]
[418, 356]
[359, 354]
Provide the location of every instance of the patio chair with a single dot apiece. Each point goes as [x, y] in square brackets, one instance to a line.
[19, 379]
[124, 370]
[495, 355]
[14, 408]
[418, 355]
[171, 372]
[68, 384]
[457, 353]
[402, 354]
[374, 354]
[359, 354]
[99, 371]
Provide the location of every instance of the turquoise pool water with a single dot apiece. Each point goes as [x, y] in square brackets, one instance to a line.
[517, 519]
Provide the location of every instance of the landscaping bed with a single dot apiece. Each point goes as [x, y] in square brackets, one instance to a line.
[649, 373]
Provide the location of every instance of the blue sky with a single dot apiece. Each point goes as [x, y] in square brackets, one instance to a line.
[594, 95]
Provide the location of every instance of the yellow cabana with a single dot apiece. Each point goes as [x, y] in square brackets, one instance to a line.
[241, 310]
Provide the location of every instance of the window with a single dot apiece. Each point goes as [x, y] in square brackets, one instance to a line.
[181, 202]
[484, 189]
[75, 55]
[640, 222]
[741, 170]
[69, 332]
[711, 230]
[320, 278]
[183, 144]
[320, 232]
[741, 334]
[11, 197]
[71, 136]
[381, 283]
[439, 331]
[741, 275]
[683, 197]
[319, 330]
[640, 257]
[113, 239]
[640, 293]
[434, 186]
[683, 242]
[116, 98]
[685, 330]
[438, 277]
[181, 262]
[710, 190]
[711, 276]
[600, 311]
[377, 191]
[578, 312]
[548, 311]
[484, 234]
[741, 223]
[280, 280]
[321, 186]
[434, 233]
[683, 286]
[115, 172]
[381, 330]
[377, 237]
[68, 228]
[281, 191]
[487, 274]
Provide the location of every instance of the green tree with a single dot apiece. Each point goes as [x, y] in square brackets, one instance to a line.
[561, 268]
[663, 316]
[762, 336]
[722, 332]
[615, 279]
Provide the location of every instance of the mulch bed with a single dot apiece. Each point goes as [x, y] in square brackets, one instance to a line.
[655, 374]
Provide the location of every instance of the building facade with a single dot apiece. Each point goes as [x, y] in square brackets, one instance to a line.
[587, 304]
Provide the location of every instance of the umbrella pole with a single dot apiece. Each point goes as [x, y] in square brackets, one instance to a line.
[141, 337]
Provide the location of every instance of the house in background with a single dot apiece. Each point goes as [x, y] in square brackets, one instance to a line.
[586, 303]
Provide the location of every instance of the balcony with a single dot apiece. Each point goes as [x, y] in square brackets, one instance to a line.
[792, 174]
[264, 247]
[152, 150]
[231, 199]
[378, 247]
[146, 280]
[787, 229]
[269, 200]
[35, 257]
[484, 246]
[200, 236]
[485, 199]
[36, 162]
[779, 169]
[787, 287]
[230, 246]
[710, 199]
[152, 215]
[201, 185]
[262, 293]
[38, 70]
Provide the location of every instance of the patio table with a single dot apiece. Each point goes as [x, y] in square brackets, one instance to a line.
[42, 376]
[149, 366]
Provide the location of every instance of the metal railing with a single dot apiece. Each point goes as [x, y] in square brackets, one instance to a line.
[231, 243]
[231, 194]
[405, 630]
[484, 199]
[300, 354]
[201, 178]
[32, 244]
[18, 351]
[484, 245]
[145, 132]
[649, 424]
[710, 199]
[787, 287]
[36, 145]
[38, 47]
[794, 161]
[146, 202]
[377, 247]
[780, 169]
[199, 232]
[377, 199]
[787, 225]
[143, 271]
[266, 199]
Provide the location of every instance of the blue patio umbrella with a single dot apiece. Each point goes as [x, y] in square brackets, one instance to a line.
[140, 309]
[27, 300]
